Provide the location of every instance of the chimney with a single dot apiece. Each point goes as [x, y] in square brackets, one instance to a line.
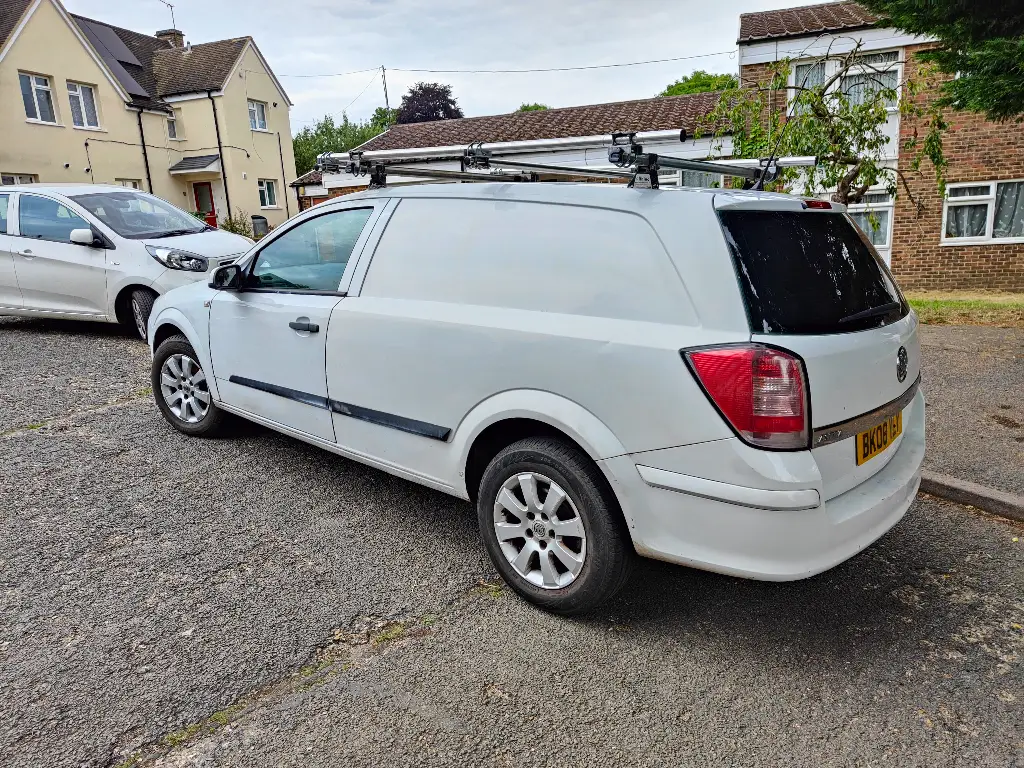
[173, 36]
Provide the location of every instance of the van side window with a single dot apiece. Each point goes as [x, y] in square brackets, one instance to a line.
[313, 255]
[3, 213]
[45, 219]
[522, 255]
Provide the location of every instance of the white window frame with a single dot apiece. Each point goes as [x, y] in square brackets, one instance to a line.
[35, 97]
[174, 119]
[989, 200]
[77, 94]
[889, 206]
[262, 188]
[17, 178]
[255, 107]
[832, 67]
[130, 183]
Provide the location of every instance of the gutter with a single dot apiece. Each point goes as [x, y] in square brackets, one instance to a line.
[145, 154]
[220, 152]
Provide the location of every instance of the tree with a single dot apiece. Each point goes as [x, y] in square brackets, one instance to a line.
[837, 113]
[383, 118]
[532, 107]
[981, 42]
[700, 82]
[328, 136]
[426, 102]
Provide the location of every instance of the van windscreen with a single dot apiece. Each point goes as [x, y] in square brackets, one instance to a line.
[809, 273]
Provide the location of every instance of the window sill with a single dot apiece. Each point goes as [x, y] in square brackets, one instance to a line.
[176, 138]
[42, 122]
[89, 128]
[259, 130]
[982, 241]
[270, 207]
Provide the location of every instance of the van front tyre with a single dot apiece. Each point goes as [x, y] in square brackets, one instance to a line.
[552, 526]
[182, 392]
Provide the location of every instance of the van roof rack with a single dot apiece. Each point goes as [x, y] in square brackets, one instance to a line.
[477, 162]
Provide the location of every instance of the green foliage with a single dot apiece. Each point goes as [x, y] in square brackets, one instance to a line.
[426, 102]
[328, 136]
[700, 82]
[843, 128]
[532, 107]
[238, 223]
[983, 42]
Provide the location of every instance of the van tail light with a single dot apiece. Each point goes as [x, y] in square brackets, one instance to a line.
[761, 392]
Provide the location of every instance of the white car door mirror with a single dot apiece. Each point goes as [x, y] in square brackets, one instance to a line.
[86, 237]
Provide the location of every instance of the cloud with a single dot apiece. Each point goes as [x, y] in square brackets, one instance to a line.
[304, 37]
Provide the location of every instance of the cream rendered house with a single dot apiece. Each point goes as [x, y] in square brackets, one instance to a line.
[204, 126]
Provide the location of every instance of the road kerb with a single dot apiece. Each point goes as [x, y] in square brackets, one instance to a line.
[982, 497]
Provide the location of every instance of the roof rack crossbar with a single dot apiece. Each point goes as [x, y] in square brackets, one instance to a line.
[639, 167]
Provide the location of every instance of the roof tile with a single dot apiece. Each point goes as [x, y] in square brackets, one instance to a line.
[10, 14]
[805, 20]
[661, 113]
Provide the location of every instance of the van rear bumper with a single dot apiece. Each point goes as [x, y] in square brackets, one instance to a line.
[765, 534]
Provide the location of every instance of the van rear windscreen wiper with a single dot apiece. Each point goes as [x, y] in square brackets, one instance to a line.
[884, 309]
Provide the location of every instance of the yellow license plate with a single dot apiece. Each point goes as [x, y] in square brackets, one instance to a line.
[878, 438]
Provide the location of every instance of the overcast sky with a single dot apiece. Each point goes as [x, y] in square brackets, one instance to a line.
[317, 37]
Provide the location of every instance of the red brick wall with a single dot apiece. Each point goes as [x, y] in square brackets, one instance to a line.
[977, 150]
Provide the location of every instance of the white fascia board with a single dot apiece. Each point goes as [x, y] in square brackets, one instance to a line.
[266, 66]
[189, 96]
[810, 46]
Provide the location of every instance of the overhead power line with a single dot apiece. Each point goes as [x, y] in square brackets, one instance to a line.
[523, 71]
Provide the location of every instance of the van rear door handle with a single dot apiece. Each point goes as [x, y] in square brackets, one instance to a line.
[295, 325]
[27, 253]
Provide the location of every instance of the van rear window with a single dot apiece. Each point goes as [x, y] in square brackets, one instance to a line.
[809, 273]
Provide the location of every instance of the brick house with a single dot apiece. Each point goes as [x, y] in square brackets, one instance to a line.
[972, 238]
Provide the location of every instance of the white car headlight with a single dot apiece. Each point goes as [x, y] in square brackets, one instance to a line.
[175, 258]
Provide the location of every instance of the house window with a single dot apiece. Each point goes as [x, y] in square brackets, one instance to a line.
[35, 93]
[873, 214]
[83, 105]
[268, 193]
[980, 212]
[130, 183]
[175, 129]
[257, 115]
[7, 179]
[868, 74]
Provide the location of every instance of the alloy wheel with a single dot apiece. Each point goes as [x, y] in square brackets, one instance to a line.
[539, 530]
[184, 388]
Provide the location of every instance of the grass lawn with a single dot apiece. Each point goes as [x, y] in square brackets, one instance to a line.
[969, 307]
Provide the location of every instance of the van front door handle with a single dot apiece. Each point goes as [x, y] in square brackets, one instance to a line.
[295, 325]
[27, 253]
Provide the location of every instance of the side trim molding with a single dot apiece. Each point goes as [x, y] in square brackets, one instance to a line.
[381, 418]
[729, 493]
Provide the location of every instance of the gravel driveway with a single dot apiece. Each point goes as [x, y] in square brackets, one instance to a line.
[260, 602]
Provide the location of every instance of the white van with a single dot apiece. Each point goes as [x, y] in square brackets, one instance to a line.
[100, 252]
[722, 379]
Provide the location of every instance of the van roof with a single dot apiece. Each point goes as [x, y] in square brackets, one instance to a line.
[604, 195]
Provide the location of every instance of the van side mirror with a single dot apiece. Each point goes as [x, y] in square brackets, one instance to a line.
[227, 278]
[87, 237]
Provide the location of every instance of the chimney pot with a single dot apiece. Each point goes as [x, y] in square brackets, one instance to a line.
[173, 36]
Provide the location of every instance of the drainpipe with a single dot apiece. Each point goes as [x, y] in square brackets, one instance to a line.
[220, 152]
[284, 178]
[145, 154]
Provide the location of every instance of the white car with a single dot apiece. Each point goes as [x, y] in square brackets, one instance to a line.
[100, 252]
[722, 379]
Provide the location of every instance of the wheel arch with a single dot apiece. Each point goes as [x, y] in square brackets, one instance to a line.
[168, 321]
[512, 415]
[122, 312]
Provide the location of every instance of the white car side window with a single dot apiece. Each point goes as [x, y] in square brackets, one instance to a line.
[313, 255]
[45, 219]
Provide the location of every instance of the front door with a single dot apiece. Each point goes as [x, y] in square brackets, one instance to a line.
[204, 201]
[54, 274]
[10, 294]
[268, 340]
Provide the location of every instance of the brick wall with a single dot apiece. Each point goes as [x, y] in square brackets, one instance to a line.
[977, 150]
